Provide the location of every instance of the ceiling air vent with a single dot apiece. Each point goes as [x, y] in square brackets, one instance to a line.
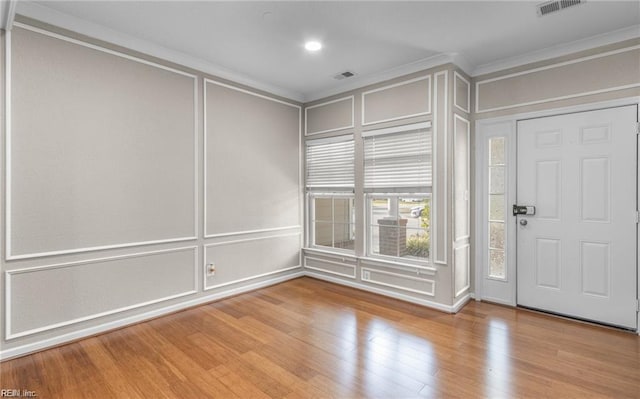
[556, 5]
[344, 75]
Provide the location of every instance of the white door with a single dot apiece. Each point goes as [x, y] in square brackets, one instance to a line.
[577, 255]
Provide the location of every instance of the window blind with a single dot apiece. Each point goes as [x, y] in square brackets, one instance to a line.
[330, 162]
[398, 157]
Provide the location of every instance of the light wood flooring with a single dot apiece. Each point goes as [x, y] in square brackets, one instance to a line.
[310, 339]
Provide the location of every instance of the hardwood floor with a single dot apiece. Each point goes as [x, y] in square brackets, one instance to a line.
[310, 339]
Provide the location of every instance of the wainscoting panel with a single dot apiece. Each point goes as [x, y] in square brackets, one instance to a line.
[329, 116]
[417, 283]
[397, 101]
[70, 293]
[101, 148]
[252, 162]
[599, 73]
[244, 259]
[342, 268]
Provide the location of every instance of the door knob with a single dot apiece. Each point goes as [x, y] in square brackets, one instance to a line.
[523, 222]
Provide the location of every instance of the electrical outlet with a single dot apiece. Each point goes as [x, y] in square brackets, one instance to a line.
[366, 275]
[211, 269]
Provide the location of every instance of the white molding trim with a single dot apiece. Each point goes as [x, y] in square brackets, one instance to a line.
[26, 349]
[457, 76]
[397, 129]
[353, 116]
[467, 248]
[567, 97]
[286, 269]
[480, 235]
[561, 50]
[353, 267]
[329, 253]
[461, 302]
[410, 267]
[552, 66]
[327, 140]
[252, 93]
[217, 244]
[399, 287]
[359, 82]
[65, 21]
[207, 287]
[391, 294]
[7, 149]
[92, 249]
[9, 335]
[100, 48]
[301, 188]
[468, 182]
[9, 14]
[196, 158]
[403, 83]
[267, 230]
[437, 185]
[204, 150]
[592, 106]
[462, 63]
[7, 144]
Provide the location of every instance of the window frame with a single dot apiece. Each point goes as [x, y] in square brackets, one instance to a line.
[328, 189]
[311, 222]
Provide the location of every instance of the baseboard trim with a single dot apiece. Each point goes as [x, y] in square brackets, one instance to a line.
[461, 302]
[67, 338]
[381, 291]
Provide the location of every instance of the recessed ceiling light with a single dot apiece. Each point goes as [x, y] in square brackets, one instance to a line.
[313, 45]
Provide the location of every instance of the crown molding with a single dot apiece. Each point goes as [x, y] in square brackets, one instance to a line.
[50, 16]
[461, 62]
[560, 50]
[100, 32]
[7, 13]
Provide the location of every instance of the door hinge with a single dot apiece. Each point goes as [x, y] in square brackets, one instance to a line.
[638, 305]
[637, 217]
[638, 128]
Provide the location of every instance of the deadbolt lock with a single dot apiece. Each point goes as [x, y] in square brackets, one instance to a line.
[524, 210]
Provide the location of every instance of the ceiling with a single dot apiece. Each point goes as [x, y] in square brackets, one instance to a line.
[263, 42]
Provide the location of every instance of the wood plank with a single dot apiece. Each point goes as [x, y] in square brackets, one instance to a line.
[307, 338]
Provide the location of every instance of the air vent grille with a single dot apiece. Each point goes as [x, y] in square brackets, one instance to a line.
[344, 75]
[556, 5]
[569, 3]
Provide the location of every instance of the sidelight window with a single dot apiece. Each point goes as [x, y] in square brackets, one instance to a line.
[497, 166]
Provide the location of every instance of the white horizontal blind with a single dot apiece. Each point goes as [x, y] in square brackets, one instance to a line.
[330, 163]
[398, 159]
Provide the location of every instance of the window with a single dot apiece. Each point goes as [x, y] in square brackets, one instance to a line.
[330, 183]
[399, 226]
[332, 220]
[496, 209]
[397, 183]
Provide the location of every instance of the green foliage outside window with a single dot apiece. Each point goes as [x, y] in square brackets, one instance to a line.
[420, 244]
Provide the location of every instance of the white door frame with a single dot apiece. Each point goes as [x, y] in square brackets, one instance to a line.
[506, 126]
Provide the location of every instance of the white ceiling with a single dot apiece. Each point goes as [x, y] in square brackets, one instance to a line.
[263, 41]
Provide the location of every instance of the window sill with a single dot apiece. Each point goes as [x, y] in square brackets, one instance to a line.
[335, 253]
